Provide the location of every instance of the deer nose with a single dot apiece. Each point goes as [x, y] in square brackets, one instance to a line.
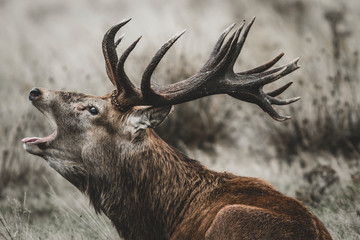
[34, 93]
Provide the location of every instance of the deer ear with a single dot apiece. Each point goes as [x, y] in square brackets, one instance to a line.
[150, 117]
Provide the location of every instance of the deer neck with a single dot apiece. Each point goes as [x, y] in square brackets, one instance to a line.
[156, 182]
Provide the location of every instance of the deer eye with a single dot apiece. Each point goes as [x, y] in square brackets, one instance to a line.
[93, 111]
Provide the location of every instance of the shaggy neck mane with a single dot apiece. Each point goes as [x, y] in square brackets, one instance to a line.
[152, 188]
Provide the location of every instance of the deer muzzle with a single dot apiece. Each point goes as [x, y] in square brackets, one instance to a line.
[40, 99]
[34, 94]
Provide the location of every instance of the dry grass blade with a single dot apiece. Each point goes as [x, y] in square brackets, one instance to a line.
[88, 217]
[5, 225]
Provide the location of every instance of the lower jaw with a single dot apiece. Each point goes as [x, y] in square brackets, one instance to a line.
[35, 149]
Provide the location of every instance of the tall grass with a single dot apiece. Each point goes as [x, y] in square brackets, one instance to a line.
[64, 221]
[332, 124]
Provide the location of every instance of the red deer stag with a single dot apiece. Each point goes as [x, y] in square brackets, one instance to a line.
[107, 148]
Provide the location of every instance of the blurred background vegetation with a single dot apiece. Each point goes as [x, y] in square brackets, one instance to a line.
[314, 157]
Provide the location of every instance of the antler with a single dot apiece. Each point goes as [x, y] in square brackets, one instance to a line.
[215, 77]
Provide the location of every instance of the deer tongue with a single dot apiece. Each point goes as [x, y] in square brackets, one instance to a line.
[36, 140]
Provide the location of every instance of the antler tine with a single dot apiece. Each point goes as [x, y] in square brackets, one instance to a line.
[275, 74]
[122, 80]
[222, 37]
[227, 51]
[278, 101]
[146, 89]
[244, 36]
[109, 50]
[233, 52]
[119, 40]
[214, 56]
[266, 106]
[222, 54]
[263, 67]
[280, 90]
[290, 67]
[240, 44]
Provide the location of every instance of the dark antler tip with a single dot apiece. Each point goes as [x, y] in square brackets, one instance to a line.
[282, 118]
[119, 40]
[249, 26]
[123, 22]
[180, 33]
[136, 41]
[241, 25]
[228, 29]
[287, 118]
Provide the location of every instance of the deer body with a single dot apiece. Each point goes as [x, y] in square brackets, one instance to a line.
[107, 148]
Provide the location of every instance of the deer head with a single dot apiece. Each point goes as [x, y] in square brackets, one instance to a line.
[96, 139]
[86, 128]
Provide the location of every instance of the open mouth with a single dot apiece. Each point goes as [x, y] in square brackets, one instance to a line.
[38, 140]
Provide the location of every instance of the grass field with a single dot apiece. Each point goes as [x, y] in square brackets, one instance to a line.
[314, 157]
